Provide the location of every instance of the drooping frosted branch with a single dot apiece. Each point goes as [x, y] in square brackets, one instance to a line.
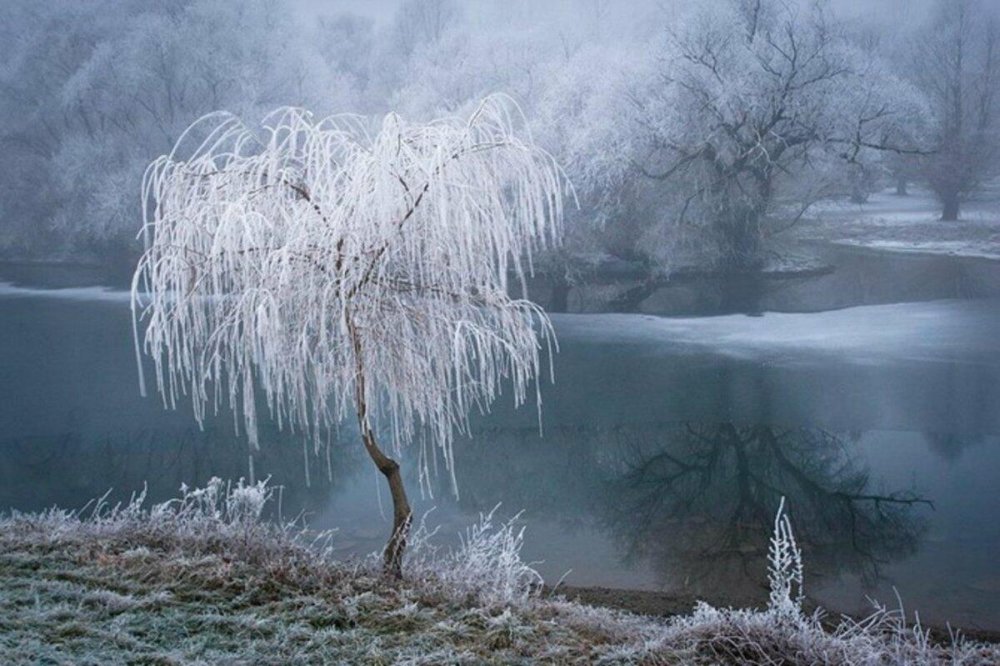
[296, 261]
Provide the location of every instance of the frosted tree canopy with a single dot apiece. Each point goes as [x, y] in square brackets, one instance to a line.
[335, 269]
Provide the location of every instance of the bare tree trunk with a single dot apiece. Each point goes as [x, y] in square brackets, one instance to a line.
[950, 206]
[740, 238]
[560, 295]
[401, 512]
[858, 193]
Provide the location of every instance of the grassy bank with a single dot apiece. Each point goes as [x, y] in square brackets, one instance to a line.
[203, 579]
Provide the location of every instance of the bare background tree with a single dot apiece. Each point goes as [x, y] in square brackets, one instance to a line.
[752, 93]
[958, 67]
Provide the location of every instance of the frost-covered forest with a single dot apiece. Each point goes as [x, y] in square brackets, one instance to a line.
[696, 134]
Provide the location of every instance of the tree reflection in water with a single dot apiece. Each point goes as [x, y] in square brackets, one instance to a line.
[698, 503]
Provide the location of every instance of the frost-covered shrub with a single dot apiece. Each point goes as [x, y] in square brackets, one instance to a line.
[221, 518]
[784, 566]
[486, 566]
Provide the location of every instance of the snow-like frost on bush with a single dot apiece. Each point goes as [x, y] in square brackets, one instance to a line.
[221, 517]
[784, 566]
[486, 565]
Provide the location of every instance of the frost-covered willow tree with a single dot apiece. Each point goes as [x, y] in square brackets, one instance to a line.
[335, 272]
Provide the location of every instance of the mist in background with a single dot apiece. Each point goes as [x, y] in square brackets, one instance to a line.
[694, 132]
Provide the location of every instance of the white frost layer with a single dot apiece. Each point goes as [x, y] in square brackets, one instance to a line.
[8, 289]
[950, 330]
[907, 224]
[952, 248]
[939, 330]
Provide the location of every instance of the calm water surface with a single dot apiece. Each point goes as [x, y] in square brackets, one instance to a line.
[666, 446]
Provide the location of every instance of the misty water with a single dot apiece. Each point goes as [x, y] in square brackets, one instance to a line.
[666, 443]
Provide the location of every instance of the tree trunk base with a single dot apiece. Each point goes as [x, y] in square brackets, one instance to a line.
[401, 512]
[950, 209]
[401, 518]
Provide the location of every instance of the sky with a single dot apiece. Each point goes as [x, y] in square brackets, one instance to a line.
[378, 9]
[886, 11]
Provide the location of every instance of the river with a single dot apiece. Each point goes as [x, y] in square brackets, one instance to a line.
[666, 444]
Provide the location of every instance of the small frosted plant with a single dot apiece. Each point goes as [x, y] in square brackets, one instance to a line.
[486, 565]
[784, 566]
[245, 503]
[489, 558]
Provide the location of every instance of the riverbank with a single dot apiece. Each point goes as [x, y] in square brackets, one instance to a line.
[668, 605]
[891, 249]
[202, 579]
[908, 223]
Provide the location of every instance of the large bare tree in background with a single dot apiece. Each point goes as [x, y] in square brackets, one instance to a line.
[341, 273]
[753, 91]
[958, 56]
